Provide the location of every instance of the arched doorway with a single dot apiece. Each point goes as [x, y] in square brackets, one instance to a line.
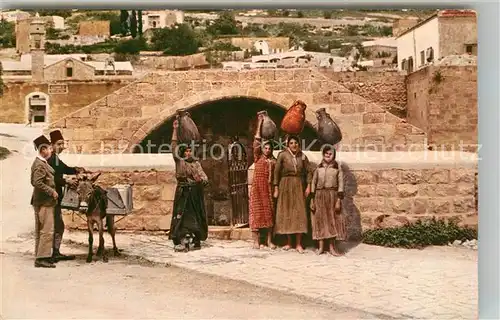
[219, 122]
[37, 106]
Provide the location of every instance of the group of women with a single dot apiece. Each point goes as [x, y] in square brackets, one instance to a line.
[279, 193]
[278, 197]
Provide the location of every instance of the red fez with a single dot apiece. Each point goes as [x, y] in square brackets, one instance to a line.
[41, 141]
[55, 136]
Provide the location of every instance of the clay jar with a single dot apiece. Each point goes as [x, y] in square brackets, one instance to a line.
[295, 117]
[328, 131]
[268, 129]
[187, 131]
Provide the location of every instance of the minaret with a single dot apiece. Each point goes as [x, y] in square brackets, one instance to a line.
[37, 48]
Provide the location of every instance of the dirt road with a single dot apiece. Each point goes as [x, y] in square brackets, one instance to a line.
[120, 289]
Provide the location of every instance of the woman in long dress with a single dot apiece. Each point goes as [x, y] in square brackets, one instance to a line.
[188, 217]
[291, 181]
[261, 202]
[327, 188]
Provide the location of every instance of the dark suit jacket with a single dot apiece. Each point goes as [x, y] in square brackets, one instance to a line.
[42, 180]
[60, 169]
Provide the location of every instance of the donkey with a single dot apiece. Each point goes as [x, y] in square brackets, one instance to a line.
[94, 199]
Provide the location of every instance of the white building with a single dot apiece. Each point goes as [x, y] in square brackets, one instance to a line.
[445, 33]
[161, 19]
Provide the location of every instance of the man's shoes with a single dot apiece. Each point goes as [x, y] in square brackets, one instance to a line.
[44, 263]
[57, 256]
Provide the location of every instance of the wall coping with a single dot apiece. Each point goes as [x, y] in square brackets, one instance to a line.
[368, 160]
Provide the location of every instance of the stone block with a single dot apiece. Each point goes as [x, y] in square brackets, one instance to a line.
[347, 108]
[389, 176]
[149, 111]
[365, 191]
[436, 191]
[411, 176]
[80, 122]
[462, 175]
[420, 206]
[465, 189]
[439, 206]
[372, 204]
[321, 98]
[436, 176]
[386, 190]
[374, 117]
[464, 205]
[144, 177]
[148, 193]
[168, 191]
[407, 190]
[399, 205]
[365, 177]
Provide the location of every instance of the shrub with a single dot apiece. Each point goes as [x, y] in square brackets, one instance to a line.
[419, 234]
[4, 153]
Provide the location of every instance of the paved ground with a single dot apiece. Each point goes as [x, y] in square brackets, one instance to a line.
[369, 282]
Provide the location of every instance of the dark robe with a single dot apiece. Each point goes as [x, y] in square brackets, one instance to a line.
[60, 169]
[188, 216]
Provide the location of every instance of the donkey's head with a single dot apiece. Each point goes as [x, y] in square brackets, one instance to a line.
[85, 188]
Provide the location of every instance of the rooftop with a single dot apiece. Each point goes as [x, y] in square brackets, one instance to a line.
[449, 13]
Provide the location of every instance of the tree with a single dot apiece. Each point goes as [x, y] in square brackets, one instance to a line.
[179, 40]
[133, 24]
[225, 24]
[327, 14]
[7, 34]
[300, 14]
[124, 22]
[61, 13]
[139, 20]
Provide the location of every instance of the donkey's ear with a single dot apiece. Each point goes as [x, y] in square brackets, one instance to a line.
[94, 177]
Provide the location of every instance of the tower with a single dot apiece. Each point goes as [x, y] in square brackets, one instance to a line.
[37, 48]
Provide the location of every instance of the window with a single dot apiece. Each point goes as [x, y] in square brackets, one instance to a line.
[422, 57]
[469, 49]
[69, 72]
[410, 64]
[430, 54]
[403, 64]
[37, 44]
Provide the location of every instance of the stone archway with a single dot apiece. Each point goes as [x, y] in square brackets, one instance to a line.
[37, 108]
[207, 97]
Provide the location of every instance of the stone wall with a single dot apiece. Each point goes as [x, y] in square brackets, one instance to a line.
[381, 188]
[455, 32]
[79, 94]
[94, 28]
[388, 89]
[443, 102]
[124, 118]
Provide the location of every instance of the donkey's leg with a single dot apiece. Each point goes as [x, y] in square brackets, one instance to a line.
[91, 238]
[110, 222]
[100, 224]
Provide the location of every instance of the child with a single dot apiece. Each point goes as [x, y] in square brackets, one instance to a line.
[327, 188]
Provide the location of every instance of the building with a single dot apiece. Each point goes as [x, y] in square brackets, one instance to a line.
[14, 16]
[23, 30]
[42, 88]
[94, 29]
[264, 46]
[445, 33]
[381, 47]
[161, 19]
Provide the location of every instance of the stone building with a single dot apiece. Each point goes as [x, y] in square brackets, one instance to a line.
[48, 87]
[94, 28]
[161, 19]
[447, 32]
[264, 46]
[23, 30]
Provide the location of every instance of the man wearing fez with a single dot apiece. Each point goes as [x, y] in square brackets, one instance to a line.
[43, 200]
[60, 169]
